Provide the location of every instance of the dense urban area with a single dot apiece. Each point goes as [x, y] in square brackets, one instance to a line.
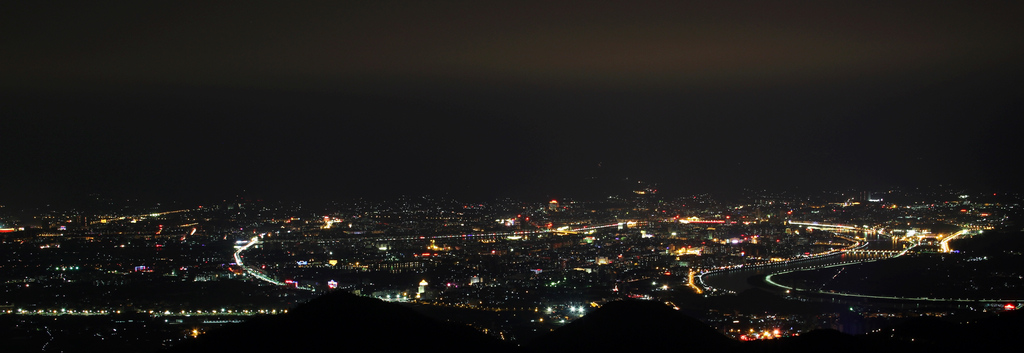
[123, 275]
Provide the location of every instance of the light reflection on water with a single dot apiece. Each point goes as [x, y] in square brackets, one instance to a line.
[738, 280]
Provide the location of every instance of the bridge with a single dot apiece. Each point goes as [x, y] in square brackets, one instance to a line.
[942, 240]
[873, 252]
[825, 225]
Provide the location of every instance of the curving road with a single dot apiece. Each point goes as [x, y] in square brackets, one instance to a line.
[256, 273]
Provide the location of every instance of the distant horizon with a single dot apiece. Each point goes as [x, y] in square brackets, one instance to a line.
[162, 102]
[86, 202]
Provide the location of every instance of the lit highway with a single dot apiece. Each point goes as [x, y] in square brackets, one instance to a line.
[561, 230]
[256, 273]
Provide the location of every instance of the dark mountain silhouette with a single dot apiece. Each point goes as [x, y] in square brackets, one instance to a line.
[345, 322]
[632, 326]
[825, 340]
[759, 300]
[925, 329]
[342, 321]
[994, 332]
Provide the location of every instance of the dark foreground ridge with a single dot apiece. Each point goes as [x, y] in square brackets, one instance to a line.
[630, 325]
[344, 322]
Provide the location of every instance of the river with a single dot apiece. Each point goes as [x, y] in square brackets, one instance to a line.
[738, 280]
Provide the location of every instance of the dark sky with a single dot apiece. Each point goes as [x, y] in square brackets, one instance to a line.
[169, 101]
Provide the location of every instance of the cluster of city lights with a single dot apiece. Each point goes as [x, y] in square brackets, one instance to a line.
[761, 335]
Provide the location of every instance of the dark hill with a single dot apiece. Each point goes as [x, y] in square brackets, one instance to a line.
[345, 322]
[632, 326]
[994, 332]
[822, 340]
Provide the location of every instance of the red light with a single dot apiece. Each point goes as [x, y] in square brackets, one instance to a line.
[1009, 306]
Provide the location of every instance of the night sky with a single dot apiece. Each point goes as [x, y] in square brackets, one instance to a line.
[166, 101]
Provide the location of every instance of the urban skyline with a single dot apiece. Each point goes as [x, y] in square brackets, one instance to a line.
[155, 277]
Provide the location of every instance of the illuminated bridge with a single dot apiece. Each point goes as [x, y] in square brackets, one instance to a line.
[826, 225]
[873, 252]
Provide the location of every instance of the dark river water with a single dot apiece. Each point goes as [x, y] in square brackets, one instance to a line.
[738, 280]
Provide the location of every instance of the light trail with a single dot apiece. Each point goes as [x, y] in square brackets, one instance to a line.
[253, 272]
[944, 244]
